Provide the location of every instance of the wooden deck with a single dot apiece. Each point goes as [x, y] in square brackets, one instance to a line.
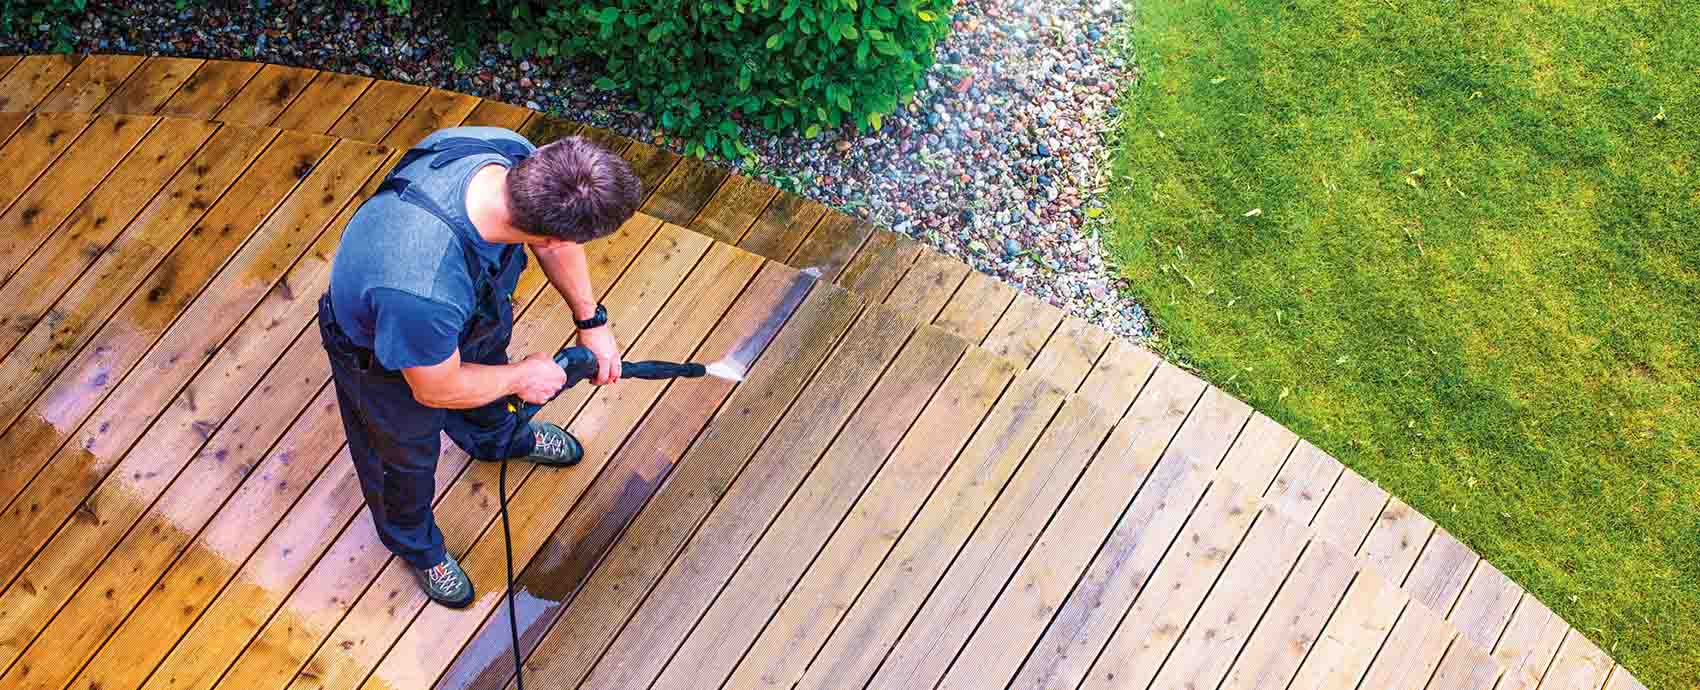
[927, 480]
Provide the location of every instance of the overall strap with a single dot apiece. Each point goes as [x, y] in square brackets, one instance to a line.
[448, 150]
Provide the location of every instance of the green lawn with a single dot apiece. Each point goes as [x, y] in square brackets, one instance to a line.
[1455, 244]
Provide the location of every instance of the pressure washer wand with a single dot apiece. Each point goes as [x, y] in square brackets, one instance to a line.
[580, 364]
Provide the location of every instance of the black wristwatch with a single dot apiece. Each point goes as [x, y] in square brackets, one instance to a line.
[597, 321]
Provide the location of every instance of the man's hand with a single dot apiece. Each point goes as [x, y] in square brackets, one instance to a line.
[539, 378]
[600, 341]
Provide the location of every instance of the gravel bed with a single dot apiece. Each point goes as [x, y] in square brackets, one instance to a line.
[1000, 161]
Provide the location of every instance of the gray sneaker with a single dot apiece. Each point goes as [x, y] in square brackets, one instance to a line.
[554, 446]
[447, 584]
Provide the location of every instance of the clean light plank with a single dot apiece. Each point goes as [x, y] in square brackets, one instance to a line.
[1465, 667]
[1485, 606]
[1396, 540]
[1348, 515]
[1023, 329]
[928, 285]
[1529, 643]
[1294, 619]
[1580, 665]
[1412, 652]
[1353, 635]
[1441, 572]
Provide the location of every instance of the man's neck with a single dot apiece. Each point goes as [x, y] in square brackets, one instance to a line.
[487, 206]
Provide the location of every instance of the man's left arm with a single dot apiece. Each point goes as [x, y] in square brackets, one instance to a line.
[569, 271]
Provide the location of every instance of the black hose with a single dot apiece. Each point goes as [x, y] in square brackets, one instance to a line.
[508, 543]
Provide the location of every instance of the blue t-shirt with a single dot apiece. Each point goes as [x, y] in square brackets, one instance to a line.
[399, 284]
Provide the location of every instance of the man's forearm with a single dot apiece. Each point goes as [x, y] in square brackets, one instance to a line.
[569, 271]
[474, 385]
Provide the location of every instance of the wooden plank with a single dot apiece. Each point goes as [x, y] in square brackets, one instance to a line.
[1465, 667]
[543, 129]
[540, 500]
[604, 138]
[1353, 636]
[32, 79]
[208, 90]
[267, 95]
[438, 109]
[976, 307]
[834, 241]
[1441, 571]
[1117, 377]
[685, 321]
[1023, 329]
[1412, 652]
[148, 471]
[877, 268]
[973, 582]
[38, 142]
[144, 315]
[35, 436]
[1485, 606]
[1303, 483]
[239, 464]
[89, 229]
[1140, 491]
[91, 83]
[1245, 590]
[1622, 680]
[782, 226]
[1346, 518]
[379, 108]
[793, 449]
[7, 62]
[651, 164]
[1294, 619]
[931, 432]
[9, 123]
[685, 191]
[597, 613]
[928, 285]
[498, 114]
[150, 86]
[1580, 665]
[923, 551]
[37, 213]
[1530, 642]
[1070, 353]
[326, 589]
[323, 102]
[1396, 540]
[645, 461]
[1259, 454]
[733, 208]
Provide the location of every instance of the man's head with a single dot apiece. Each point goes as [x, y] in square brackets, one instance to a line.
[572, 190]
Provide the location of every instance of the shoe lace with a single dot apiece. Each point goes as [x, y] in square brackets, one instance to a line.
[442, 578]
[549, 443]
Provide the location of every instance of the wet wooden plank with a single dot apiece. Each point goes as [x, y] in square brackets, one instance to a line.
[267, 95]
[36, 435]
[498, 114]
[637, 561]
[323, 102]
[920, 556]
[992, 554]
[1529, 643]
[1465, 667]
[1396, 540]
[153, 303]
[38, 142]
[916, 435]
[543, 129]
[1346, 518]
[379, 108]
[928, 285]
[152, 84]
[976, 307]
[882, 262]
[384, 634]
[733, 209]
[651, 164]
[685, 191]
[1294, 619]
[87, 230]
[32, 79]
[1070, 353]
[36, 215]
[605, 138]
[199, 416]
[1303, 483]
[208, 90]
[1225, 620]
[646, 460]
[1412, 652]
[1353, 636]
[1441, 572]
[91, 83]
[1580, 665]
[834, 241]
[1259, 454]
[326, 593]
[1140, 490]
[730, 531]
[781, 227]
[438, 109]
[1485, 607]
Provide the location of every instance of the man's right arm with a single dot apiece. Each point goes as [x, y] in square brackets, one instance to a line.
[456, 385]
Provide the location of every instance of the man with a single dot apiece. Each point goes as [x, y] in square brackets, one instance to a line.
[418, 315]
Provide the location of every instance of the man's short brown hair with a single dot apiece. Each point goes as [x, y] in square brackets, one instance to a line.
[573, 190]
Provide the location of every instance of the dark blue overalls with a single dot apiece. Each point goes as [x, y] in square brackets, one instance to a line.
[393, 439]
